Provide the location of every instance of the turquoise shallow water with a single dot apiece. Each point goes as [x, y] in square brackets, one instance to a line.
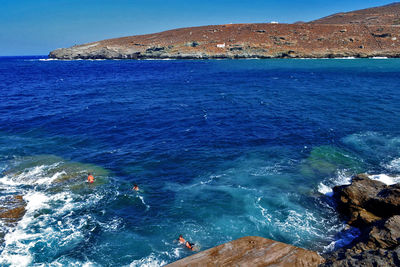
[221, 149]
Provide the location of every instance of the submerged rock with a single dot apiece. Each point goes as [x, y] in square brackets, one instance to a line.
[12, 209]
[252, 251]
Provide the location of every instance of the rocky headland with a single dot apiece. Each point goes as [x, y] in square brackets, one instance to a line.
[373, 32]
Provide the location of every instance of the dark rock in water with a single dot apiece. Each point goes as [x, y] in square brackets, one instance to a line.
[252, 251]
[387, 202]
[366, 201]
[375, 208]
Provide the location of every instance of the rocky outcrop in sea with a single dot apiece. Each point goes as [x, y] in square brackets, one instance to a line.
[374, 208]
[12, 209]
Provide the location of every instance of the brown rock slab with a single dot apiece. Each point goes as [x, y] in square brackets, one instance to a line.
[252, 251]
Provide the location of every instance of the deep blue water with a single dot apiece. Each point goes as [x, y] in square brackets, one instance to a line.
[220, 149]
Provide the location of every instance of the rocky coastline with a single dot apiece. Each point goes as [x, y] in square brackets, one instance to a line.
[369, 206]
[244, 41]
[371, 32]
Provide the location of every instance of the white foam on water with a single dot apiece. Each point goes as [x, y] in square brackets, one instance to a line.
[150, 261]
[142, 199]
[379, 57]
[347, 236]
[393, 165]
[49, 180]
[16, 242]
[386, 179]
[6, 180]
[35, 201]
[113, 225]
[324, 189]
[300, 224]
[177, 252]
[32, 176]
[60, 228]
[344, 58]
[264, 211]
[24, 177]
[341, 178]
[48, 59]
[297, 222]
[67, 261]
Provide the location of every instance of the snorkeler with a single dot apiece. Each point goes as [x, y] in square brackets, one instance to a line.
[90, 178]
[135, 187]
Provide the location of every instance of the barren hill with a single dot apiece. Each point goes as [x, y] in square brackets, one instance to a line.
[263, 40]
[383, 15]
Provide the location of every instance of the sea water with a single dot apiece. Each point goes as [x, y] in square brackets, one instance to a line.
[220, 150]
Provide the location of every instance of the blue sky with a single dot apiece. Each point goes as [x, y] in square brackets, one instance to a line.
[35, 27]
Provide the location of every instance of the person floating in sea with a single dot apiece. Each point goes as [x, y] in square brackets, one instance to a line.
[181, 240]
[187, 244]
[135, 187]
[90, 178]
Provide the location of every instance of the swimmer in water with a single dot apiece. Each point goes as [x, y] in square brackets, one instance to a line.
[90, 178]
[187, 244]
[135, 187]
[181, 239]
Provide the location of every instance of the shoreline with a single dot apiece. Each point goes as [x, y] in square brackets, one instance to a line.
[254, 40]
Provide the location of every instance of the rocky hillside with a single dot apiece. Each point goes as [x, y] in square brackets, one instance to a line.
[384, 15]
[309, 40]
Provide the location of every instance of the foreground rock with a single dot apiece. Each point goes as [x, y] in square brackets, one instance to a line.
[374, 208]
[252, 251]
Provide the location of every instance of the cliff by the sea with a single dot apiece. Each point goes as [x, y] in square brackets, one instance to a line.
[371, 32]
